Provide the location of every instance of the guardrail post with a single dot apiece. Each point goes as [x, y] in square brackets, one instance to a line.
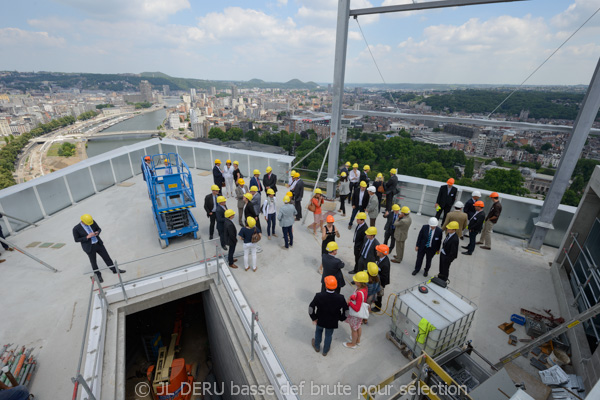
[205, 258]
[86, 387]
[217, 263]
[121, 282]
[101, 291]
[253, 336]
[422, 199]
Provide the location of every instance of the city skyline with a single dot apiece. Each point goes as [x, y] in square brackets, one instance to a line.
[286, 39]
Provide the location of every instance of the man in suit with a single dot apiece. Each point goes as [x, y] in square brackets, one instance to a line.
[255, 181]
[360, 201]
[491, 220]
[345, 167]
[475, 227]
[230, 234]
[459, 216]
[332, 266]
[449, 250]
[401, 233]
[87, 232]
[270, 180]
[469, 208]
[240, 190]
[147, 167]
[354, 178]
[363, 175]
[218, 178]
[391, 188]
[210, 206]
[429, 242]
[298, 192]
[367, 252]
[389, 227]
[359, 237]
[326, 310]
[373, 205]
[383, 262]
[221, 208]
[445, 198]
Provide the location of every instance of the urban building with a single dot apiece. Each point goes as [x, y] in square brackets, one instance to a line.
[166, 90]
[146, 90]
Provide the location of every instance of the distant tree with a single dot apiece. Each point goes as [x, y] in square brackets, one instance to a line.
[529, 148]
[546, 146]
[500, 180]
[469, 168]
[571, 198]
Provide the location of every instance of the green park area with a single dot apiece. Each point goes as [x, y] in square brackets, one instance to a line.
[65, 149]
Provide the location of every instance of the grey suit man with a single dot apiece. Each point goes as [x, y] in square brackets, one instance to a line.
[401, 233]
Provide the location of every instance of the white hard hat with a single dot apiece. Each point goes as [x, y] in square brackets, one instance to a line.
[433, 221]
[459, 204]
[371, 189]
[476, 193]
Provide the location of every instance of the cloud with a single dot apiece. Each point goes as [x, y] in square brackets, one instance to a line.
[324, 12]
[576, 14]
[19, 37]
[282, 2]
[128, 9]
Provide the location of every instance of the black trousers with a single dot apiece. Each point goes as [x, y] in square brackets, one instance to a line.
[2, 236]
[230, 254]
[298, 205]
[426, 253]
[213, 219]
[220, 229]
[445, 262]
[389, 234]
[389, 201]
[343, 203]
[353, 188]
[472, 241]
[99, 249]
[356, 257]
[443, 210]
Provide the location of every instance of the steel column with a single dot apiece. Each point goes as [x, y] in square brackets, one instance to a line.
[339, 72]
[581, 130]
[423, 6]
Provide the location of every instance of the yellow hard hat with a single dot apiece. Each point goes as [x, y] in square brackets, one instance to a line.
[289, 194]
[296, 175]
[166, 161]
[355, 165]
[228, 162]
[221, 199]
[380, 175]
[286, 199]
[452, 225]
[372, 268]
[229, 213]
[215, 187]
[318, 191]
[371, 231]
[241, 181]
[293, 172]
[236, 163]
[251, 222]
[343, 174]
[363, 184]
[269, 169]
[361, 276]
[256, 172]
[361, 215]
[395, 207]
[253, 189]
[87, 219]
[217, 161]
[270, 191]
[393, 171]
[332, 246]
[348, 163]
[405, 210]
[366, 168]
[248, 196]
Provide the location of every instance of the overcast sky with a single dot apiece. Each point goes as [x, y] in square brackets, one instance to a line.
[278, 40]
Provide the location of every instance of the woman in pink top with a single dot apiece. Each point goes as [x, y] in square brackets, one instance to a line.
[317, 201]
[358, 297]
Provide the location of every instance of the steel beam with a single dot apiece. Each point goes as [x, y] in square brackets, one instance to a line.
[339, 73]
[581, 129]
[424, 6]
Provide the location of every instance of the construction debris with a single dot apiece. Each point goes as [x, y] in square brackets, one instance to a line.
[507, 327]
[512, 340]
[19, 361]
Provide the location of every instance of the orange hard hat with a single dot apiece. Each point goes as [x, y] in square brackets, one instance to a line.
[330, 282]
[330, 218]
[479, 203]
[383, 248]
[450, 181]
[494, 195]
[147, 158]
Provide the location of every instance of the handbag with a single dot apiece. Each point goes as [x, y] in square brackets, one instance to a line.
[363, 313]
[255, 236]
[380, 189]
[311, 206]
[438, 281]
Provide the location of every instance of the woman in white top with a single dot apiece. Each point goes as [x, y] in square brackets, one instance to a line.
[229, 183]
[269, 210]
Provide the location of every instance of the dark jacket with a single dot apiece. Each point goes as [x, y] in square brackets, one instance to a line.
[344, 169]
[327, 309]
[384, 270]
[391, 185]
[254, 181]
[270, 182]
[436, 239]
[450, 247]
[364, 177]
[298, 190]
[444, 199]
[230, 232]
[209, 204]
[494, 212]
[333, 266]
[355, 198]
[146, 167]
[476, 222]
[237, 174]
[220, 218]
[218, 176]
[249, 212]
[359, 235]
[389, 225]
[80, 235]
[469, 209]
[372, 253]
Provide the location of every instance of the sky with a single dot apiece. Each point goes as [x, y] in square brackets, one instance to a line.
[279, 40]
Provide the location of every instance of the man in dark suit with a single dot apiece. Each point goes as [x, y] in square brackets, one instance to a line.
[389, 228]
[332, 266]
[230, 234]
[326, 309]
[383, 262]
[147, 167]
[210, 206]
[359, 237]
[218, 178]
[221, 208]
[87, 232]
[363, 174]
[429, 242]
[298, 193]
[270, 180]
[391, 188]
[345, 167]
[360, 201]
[367, 252]
[445, 199]
[449, 250]
[475, 225]
[469, 208]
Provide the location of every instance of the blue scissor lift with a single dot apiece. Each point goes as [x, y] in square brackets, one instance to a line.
[172, 194]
